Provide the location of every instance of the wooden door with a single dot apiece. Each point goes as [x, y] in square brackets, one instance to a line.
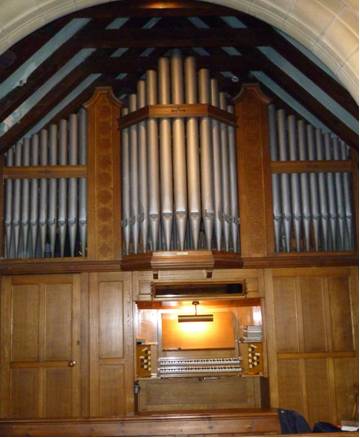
[111, 345]
[40, 346]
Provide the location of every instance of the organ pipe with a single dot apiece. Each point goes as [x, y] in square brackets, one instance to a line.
[179, 154]
[166, 176]
[125, 161]
[198, 163]
[207, 198]
[153, 157]
[192, 159]
[47, 217]
[317, 204]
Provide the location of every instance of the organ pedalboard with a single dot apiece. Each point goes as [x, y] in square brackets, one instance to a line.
[181, 367]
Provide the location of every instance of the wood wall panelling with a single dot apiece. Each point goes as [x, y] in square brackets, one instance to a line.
[111, 345]
[312, 321]
[254, 180]
[104, 239]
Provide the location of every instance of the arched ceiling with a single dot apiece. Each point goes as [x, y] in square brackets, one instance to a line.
[54, 70]
[329, 28]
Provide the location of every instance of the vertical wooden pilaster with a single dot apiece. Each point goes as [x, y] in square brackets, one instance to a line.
[254, 178]
[104, 237]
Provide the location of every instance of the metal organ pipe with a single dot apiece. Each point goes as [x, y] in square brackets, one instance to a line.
[17, 201]
[314, 190]
[125, 173]
[181, 190]
[324, 210]
[330, 183]
[73, 192]
[276, 195]
[82, 120]
[284, 180]
[234, 203]
[348, 202]
[295, 183]
[193, 171]
[9, 253]
[179, 154]
[304, 183]
[216, 155]
[207, 193]
[34, 211]
[166, 168]
[225, 175]
[25, 193]
[134, 177]
[339, 192]
[143, 179]
[62, 212]
[52, 190]
[153, 157]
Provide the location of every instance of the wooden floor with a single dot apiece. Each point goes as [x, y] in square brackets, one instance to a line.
[207, 423]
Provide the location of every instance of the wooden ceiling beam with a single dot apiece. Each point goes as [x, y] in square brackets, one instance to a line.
[26, 47]
[52, 64]
[160, 38]
[310, 103]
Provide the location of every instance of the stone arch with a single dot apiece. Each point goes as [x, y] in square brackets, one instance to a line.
[328, 29]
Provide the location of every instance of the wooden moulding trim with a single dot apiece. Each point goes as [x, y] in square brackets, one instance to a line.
[316, 355]
[69, 265]
[311, 166]
[224, 422]
[45, 172]
[301, 260]
[172, 260]
[178, 111]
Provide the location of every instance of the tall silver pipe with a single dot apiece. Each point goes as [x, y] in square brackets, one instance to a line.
[34, 196]
[43, 192]
[179, 157]
[82, 122]
[52, 213]
[193, 168]
[207, 192]
[166, 168]
[215, 128]
[295, 183]
[339, 192]
[62, 211]
[17, 201]
[225, 175]
[330, 185]
[234, 203]
[125, 172]
[349, 241]
[134, 178]
[25, 195]
[314, 190]
[304, 183]
[143, 174]
[284, 181]
[276, 194]
[324, 210]
[73, 191]
[9, 252]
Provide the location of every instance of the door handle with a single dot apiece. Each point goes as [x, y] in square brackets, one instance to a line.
[72, 363]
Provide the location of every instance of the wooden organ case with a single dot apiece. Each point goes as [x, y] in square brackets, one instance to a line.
[120, 218]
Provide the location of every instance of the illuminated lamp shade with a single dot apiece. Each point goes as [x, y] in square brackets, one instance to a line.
[196, 317]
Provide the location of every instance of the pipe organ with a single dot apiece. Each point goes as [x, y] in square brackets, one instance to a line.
[47, 217]
[179, 179]
[312, 211]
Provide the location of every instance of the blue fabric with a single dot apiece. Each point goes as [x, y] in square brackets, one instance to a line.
[292, 422]
[322, 426]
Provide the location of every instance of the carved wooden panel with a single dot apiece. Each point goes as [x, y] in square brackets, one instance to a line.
[103, 175]
[253, 172]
